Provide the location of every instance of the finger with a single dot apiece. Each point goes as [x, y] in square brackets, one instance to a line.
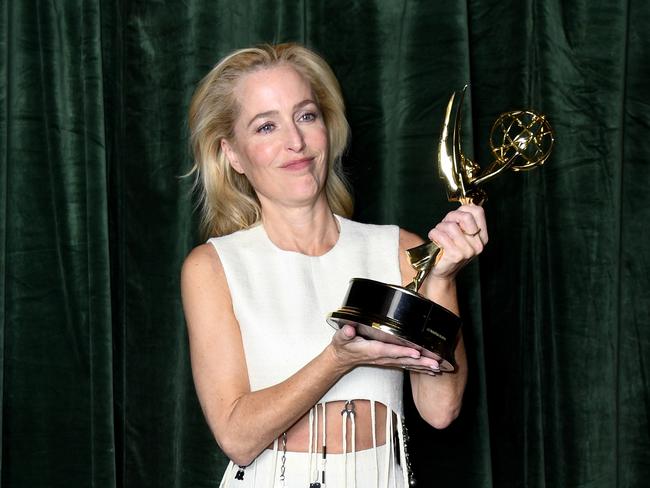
[479, 218]
[346, 333]
[422, 365]
[465, 219]
[460, 226]
[378, 352]
[386, 353]
[456, 244]
[349, 331]
[462, 237]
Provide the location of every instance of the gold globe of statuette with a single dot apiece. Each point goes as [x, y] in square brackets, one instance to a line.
[521, 140]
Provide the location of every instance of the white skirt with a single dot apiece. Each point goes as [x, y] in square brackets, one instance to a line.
[361, 469]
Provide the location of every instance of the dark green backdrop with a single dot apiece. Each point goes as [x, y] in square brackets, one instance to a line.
[95, 222]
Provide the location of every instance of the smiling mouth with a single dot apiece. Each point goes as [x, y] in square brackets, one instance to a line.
[298, 164]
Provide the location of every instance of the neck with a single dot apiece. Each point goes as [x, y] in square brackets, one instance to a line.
[309, 230]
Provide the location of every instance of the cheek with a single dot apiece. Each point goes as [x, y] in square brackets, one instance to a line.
[319, 140]
[261, 155]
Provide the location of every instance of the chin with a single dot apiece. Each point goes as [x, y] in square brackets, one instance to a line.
[304, 197]
[306, 190]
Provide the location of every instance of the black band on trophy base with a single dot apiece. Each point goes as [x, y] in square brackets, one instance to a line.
[394, 314]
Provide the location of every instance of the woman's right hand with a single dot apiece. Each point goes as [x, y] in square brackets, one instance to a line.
[352, 350]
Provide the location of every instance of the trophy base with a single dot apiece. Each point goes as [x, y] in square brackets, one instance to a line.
[396, 315]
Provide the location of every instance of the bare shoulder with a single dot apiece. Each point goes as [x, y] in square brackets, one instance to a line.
[201, 260]
[203, 267]
[204, 287]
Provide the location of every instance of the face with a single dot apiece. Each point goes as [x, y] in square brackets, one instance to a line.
[280, 140]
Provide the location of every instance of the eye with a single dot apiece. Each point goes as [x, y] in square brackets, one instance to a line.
[265, 128]
[308, 117]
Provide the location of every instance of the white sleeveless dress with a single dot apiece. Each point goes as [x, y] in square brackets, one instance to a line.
[281, 300]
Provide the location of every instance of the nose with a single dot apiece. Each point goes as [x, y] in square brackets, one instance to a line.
[295, 138]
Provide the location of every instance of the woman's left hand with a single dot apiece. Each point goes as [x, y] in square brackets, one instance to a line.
[461, 235]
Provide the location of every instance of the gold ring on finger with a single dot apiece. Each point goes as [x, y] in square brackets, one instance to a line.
[469, 234]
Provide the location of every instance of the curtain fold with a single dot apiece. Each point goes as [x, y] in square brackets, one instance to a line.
[96, 218]
[633, 343]
[57, 327]
[4, 152]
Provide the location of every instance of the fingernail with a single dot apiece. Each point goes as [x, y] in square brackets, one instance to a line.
[415, 356]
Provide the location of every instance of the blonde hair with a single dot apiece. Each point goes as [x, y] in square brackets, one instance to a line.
[226, 198]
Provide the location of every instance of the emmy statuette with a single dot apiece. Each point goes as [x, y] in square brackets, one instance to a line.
[519, 141]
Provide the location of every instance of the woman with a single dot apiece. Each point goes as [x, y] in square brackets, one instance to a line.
[284, 394]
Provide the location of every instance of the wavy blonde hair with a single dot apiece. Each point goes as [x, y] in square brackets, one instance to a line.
[226, 198]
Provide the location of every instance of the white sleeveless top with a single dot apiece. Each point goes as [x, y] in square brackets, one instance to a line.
[281, 300]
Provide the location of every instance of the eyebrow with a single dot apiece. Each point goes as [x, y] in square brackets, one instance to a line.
[268, 113]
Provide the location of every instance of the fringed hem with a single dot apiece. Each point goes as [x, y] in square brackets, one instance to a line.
[318, 473]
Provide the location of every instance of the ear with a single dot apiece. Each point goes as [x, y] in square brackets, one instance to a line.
[231, 156]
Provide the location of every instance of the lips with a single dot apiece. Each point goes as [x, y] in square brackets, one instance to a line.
[297, 164]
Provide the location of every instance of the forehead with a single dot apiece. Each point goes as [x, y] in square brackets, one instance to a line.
[272, 88]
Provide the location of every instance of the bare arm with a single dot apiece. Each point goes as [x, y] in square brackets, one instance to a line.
[439, 398]
[245, 422]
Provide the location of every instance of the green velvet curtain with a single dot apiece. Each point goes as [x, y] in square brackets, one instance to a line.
[95, 221]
